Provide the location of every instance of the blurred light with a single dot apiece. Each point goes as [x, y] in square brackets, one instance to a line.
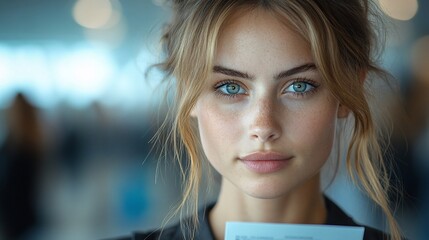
[399, 9]
[95, 14]
[111, 38]
[77, 76]
[27, 71]
[5, 76]
[5, 66]
[30, 67]
[83, 75]
[106, 27]
[31, 74]
[116, 16]
[134, 87]
[128, 88]
[420, 58]
[50, 75]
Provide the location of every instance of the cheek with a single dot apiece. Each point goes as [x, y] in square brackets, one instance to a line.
[312, 131]
[218, 129]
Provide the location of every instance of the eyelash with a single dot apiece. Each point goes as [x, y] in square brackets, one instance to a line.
[312, 83]
[223, 83]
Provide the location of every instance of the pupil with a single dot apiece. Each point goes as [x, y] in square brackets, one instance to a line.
[299, 87]
[232, 88]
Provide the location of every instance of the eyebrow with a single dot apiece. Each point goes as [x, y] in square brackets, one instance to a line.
[299, 69]
[231, 72]
[235, 73]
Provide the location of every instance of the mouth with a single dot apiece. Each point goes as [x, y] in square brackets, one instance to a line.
[265, 162]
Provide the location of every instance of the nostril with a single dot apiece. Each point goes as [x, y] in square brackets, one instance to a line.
[266, 134]
[265, 124]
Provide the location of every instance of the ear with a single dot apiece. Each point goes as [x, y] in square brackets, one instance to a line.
[343, 111]
[193, 113]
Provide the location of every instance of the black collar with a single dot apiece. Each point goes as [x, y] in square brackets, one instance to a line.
[335, 217]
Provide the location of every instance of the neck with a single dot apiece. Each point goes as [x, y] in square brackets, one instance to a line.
[304, 205]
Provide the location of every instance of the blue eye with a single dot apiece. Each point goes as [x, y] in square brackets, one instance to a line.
[300, 87]
[231, 89]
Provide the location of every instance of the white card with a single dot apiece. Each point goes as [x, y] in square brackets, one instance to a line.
[280, 231]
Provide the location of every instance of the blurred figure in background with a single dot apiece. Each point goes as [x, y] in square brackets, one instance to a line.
[419, 111]
[411, 120]
[409, 142]
[20, 160]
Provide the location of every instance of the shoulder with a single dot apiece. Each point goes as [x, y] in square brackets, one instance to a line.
[374, 234]
[172, 232]
[336, 216]
[176, 231]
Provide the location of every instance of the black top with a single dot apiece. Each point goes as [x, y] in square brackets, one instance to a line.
[335, 217]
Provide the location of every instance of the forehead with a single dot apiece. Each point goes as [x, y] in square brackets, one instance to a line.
[258, 37]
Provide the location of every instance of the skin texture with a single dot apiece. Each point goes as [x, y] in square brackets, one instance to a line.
[266, 114]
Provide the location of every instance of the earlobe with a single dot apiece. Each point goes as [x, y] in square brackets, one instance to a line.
[343, 111]
[193, 113]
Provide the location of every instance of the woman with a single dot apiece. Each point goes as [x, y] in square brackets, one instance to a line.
[262, 86]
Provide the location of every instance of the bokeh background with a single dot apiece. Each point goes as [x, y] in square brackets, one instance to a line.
[77, 113]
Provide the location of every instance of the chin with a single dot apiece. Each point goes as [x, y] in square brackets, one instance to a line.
[267, 191]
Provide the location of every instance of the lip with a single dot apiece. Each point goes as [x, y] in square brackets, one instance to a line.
[265, 156]
[265, 162]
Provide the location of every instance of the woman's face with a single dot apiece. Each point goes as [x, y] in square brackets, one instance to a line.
[266, 118]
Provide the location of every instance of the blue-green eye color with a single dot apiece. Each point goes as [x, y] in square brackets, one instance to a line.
[300, 87]
[231, 89]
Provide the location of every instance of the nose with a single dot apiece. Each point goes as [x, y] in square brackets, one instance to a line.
[264, 124]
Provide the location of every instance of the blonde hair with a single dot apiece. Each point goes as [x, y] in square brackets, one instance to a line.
[342, 41]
